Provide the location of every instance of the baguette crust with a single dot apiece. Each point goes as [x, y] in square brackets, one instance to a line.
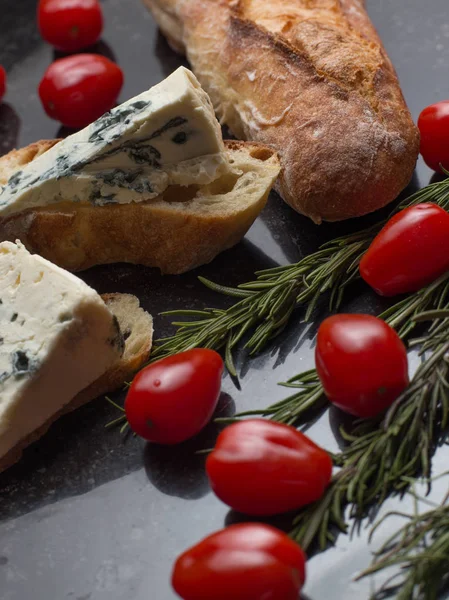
[134, 357]
[312, 79]
[173, 232]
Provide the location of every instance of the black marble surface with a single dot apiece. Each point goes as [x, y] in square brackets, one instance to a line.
[88, 516]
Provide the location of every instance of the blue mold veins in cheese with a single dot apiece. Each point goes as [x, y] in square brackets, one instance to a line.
[166, 136]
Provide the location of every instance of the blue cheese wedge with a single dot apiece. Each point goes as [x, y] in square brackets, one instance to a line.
[56, 337]
[166, 136]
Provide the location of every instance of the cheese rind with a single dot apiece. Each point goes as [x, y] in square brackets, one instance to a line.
[56, 337]
[167, 135]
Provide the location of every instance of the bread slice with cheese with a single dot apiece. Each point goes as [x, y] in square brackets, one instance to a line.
[136, 327]
[181, 229]
[151, 182]
[61, 345]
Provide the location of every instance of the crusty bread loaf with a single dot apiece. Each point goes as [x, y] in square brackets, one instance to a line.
[177, 231]
[312, 79]
[137, 329]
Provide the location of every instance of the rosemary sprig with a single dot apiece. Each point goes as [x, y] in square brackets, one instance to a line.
[309, 395]
[264, 306]
[421, 549]
[402, 315]
[122, 420]
[381, 459]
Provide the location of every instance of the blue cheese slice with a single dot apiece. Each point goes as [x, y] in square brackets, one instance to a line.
[56, 337]
[166, 136]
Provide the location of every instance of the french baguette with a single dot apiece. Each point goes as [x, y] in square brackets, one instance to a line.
[136, 326]
[312, 79]
[181, 229]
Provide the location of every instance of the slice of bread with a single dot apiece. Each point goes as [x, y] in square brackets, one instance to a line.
[181, 229]
[136, 326]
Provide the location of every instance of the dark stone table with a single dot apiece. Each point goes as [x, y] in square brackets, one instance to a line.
[88, 516]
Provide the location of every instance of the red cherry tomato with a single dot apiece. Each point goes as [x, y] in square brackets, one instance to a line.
[2, 82]
[171, 400]
[411, 251]
[70, 25]
[361, 363]
[263, 468]
[433, 125]
[78, 89]
[250, 561]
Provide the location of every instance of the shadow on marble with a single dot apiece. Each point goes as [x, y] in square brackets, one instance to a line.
[437, 178]
[339, 420]
[282, 522]
[76, 455]
[101, 47]
[168, 59]
[180, 470]
[9, 128]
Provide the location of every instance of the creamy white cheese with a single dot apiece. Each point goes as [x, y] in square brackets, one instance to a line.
[167, 135]
[56, 337]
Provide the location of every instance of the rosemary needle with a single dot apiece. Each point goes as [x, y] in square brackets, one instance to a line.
[421, 549]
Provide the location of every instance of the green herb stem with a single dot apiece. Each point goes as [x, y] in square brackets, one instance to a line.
[421, 550]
